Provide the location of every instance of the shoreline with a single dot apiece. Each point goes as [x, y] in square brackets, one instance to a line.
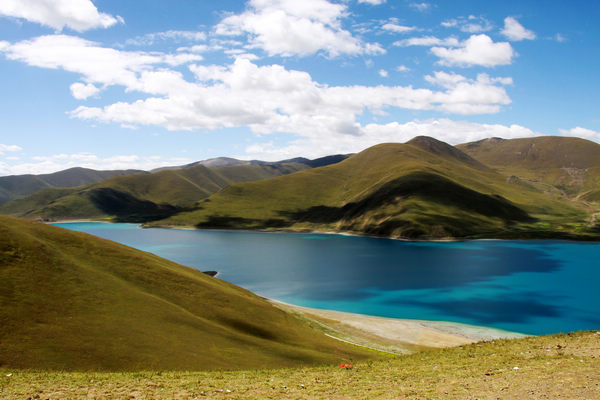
[141, 225]
[395, 335]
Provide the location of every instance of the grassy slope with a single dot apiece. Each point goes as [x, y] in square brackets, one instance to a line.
[140, 197]
[549, 367]
[571, 165]
[71, 301]
[424, 188]
[17, 186]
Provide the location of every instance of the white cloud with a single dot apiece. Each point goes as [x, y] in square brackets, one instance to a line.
[428, 41]
[59, 162]
[514, 31]
[560, 38]
[6, 148]
[82, 91]
[383, 73]
[172, 35]
[101, 65]
[422, 7]
[402, 68]
[272, 99]
[290, 27]
[476, 50]
[393, 27]
[470, 24]
[581, 133]
[453, 132]
[267, 99]
[79, 15]
[372, 2]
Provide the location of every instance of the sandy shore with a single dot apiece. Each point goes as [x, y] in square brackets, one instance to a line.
[396, 335]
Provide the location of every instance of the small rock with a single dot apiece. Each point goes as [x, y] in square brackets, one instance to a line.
[515, 367]
[9, 375]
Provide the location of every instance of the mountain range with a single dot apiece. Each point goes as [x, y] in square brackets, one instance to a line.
[423, 189]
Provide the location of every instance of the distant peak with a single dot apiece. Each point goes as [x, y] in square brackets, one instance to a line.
[443, 149]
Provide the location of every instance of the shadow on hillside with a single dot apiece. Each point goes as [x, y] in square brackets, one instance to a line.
[426, 187]
[227, 222]
[127, 208]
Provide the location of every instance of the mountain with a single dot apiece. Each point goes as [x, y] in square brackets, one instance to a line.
[72, 301]
[564, 166]
[141, 197]
[16, 186]
[421, 189]
[227, 162]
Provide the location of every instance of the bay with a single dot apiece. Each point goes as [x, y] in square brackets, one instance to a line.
[533, 287]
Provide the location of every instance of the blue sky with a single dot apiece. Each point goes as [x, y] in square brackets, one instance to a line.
[141, 84]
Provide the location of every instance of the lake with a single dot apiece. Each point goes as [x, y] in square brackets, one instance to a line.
[534, 287]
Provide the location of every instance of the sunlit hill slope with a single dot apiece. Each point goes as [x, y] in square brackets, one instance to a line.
[71, 301]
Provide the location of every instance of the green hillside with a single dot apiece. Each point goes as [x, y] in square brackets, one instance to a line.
[565, 166]
[421, 189]
[142, 197]
[17, 186]
[71, 301]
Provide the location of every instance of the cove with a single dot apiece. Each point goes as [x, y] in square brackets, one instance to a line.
[533, 287]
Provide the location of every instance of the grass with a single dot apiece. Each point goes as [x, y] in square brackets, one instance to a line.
[140, 197]
[423, 189]
[548, 367]
[73, 301]
[17, 186]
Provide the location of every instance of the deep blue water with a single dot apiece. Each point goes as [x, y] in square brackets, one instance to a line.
[534, 287]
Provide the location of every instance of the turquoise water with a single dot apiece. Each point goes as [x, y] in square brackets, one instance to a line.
[534, 287]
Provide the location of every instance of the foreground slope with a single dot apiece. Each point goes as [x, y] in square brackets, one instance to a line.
[140, 197]
[71, 301]
[548, 367]
[421, 189]
[16, 186]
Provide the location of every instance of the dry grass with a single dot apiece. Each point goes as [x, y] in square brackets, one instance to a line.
[549, 367]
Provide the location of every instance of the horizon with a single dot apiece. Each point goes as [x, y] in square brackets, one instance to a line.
[106, 85]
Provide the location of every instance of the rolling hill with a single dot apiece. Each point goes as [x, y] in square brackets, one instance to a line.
[16, 186]
[71, 301]
[565, 166]
[141, 197]
[421, 189]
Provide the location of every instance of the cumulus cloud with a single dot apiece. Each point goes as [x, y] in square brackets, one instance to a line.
[449, 131]
[6, 148]
[290, 28]
[383, 73]
[581, 133]
[58, 162]
[514, 31]
[265, 98]
[79, 15]
[97, 64]
[476, 50]
[82, 91]
[273, 99]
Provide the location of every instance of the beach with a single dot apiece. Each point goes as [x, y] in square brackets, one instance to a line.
[397, 336]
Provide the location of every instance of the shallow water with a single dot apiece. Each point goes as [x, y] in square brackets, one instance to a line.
[534, 287]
